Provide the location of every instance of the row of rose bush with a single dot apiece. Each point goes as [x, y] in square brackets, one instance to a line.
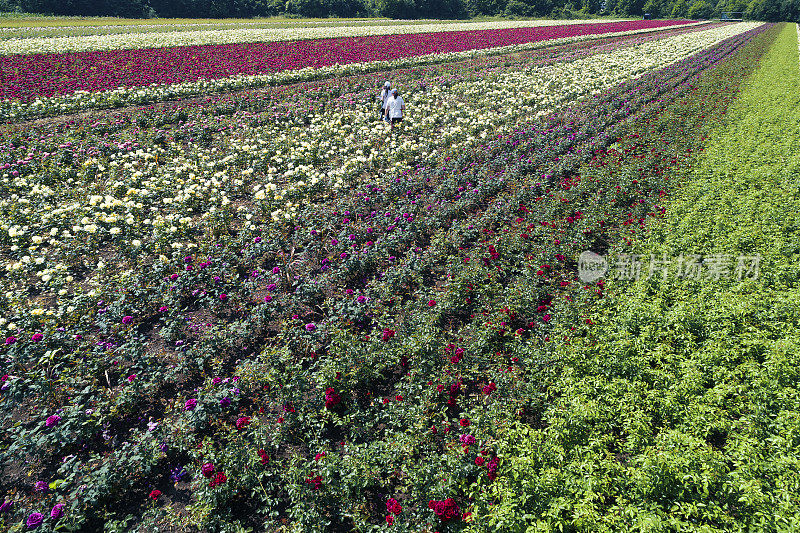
[238, 35]
[26, 78]
[328, 371]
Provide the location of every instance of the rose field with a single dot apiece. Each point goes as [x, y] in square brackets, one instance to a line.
[60, 82]
[233, 299]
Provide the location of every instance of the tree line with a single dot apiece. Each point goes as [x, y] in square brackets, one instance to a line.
[769, 10]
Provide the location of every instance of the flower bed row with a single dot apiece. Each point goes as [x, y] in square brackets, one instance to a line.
[242, 34]
[28, 32]
[26, 78]
[346, 371]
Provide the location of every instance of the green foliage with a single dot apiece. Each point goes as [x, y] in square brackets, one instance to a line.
[679, 9]
[656, 8]
[701, 10]
[769, 10]
[516, 8]
[677, 410]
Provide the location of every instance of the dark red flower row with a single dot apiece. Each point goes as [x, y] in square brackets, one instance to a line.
[26, 77]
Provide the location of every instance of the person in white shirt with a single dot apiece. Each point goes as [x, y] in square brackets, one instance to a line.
[395, 108]
[383, 98]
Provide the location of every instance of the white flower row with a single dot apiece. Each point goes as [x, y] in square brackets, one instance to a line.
[29, 32]
[24, 31]
[44, 45]
[11, 110]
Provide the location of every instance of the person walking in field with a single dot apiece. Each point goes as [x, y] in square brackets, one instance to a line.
[383, 98]
[395, 108]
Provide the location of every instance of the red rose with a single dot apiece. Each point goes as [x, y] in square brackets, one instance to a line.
[393, 506]
[242, 422]
[264, 457]
[219, 479]
[332, 398]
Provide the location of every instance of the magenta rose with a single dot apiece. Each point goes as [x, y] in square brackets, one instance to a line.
[34, 520]
[57, 511]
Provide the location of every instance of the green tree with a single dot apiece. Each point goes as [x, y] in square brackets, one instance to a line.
[701, 10]
[517, 8]
[627, 8]
[790, 10]
[654, 7]
[444, 9]
[679, 9]
[528, 8]
[735, 6]
[485, 7]
[395, 8]
[768, 10]
[590, 6]
[9, 6]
